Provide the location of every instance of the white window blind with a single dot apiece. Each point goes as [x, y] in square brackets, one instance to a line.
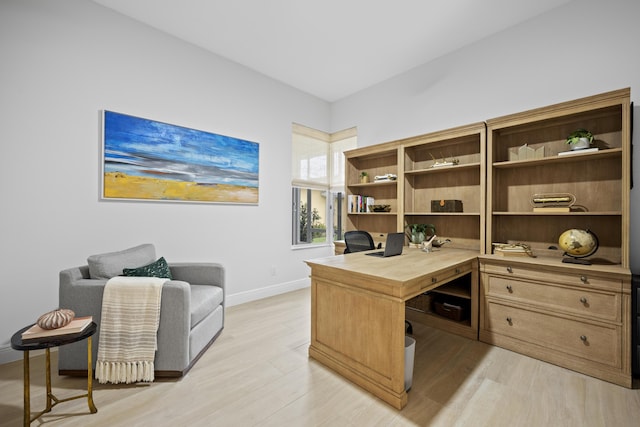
[310, 157]
[340, 142]
[317, 159]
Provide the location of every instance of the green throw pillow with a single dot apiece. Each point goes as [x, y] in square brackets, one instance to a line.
[160, 268]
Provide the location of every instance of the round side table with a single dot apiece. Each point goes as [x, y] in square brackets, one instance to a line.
[46, 343]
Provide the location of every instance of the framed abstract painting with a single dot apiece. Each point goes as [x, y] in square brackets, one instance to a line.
[154, 161]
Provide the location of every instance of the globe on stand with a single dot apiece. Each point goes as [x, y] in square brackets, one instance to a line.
[578, 244]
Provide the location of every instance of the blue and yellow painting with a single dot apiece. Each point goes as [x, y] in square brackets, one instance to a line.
[149, 160]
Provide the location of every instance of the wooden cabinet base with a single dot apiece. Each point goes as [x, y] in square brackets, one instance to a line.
[587, 367]
[574, 317]
[393, 398]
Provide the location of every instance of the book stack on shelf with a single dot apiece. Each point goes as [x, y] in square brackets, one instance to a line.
[509, 250]
[556, 202]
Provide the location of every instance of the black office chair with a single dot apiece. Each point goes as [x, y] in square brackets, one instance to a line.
[358, 241]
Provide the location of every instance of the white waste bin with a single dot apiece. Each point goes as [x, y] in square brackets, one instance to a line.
[409, 355]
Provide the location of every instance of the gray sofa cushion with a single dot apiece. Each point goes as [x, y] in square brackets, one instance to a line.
[111, 264]
[204, 299]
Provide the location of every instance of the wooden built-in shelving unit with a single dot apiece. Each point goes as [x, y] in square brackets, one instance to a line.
[496, 188]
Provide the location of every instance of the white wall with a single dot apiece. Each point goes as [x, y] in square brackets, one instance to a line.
[63, 62]
[528, 66]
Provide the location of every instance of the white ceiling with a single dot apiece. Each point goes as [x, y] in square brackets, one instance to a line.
[331, 48]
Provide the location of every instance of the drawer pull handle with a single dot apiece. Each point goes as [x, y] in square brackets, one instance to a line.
[434, 279]
[583, 300]
[509, 320]
[510, 289]
[457, 271]
[583, 279]
[509, 269]
[583, 338]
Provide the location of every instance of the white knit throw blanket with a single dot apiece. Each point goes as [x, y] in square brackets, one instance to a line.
[128, 329]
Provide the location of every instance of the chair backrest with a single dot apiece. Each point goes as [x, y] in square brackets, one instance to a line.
[357, 241]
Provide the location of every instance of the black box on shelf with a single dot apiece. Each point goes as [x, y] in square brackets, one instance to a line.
[453, 308]
[446, 205]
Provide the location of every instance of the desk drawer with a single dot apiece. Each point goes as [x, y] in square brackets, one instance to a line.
[571, 278]
[598, 343]
[604, 305]
[446, 275]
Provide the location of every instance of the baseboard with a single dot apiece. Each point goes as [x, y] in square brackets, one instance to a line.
[8, 355]
[269, 291]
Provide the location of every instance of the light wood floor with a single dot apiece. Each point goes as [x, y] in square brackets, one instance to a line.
[258, 374]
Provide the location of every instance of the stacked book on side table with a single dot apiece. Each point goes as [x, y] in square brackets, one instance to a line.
[76, 326]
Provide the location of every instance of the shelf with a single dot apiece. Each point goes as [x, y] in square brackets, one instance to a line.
[372, 213]
[443, 169]
[595, 213]
[443, 213]
[435, 317]
[555, 160]
[373, 184]
[455, 289]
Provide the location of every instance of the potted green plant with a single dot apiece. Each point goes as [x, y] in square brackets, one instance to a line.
[418, 232]
[580, 139]
[364, 177]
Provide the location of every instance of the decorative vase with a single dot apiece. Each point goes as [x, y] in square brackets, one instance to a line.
[364, 179]
[56, 319]
[417, 237]
[581, 144]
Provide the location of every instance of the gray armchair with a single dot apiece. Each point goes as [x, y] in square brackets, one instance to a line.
[191, 311]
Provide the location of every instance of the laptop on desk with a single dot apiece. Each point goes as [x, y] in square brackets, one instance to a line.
[393, 246]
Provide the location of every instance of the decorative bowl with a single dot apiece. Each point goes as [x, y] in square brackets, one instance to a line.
[380, 208]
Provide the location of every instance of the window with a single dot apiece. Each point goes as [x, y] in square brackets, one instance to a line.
[318, 184]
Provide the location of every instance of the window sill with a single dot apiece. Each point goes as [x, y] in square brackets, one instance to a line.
[311, 246]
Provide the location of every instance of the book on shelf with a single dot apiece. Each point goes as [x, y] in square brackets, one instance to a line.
[510, 252]
[553, 209]
[506, 250]
[583, 151]
[359, 203]
[76, 326]
[386, 177]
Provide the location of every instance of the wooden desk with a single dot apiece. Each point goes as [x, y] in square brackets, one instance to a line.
[358, 311]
